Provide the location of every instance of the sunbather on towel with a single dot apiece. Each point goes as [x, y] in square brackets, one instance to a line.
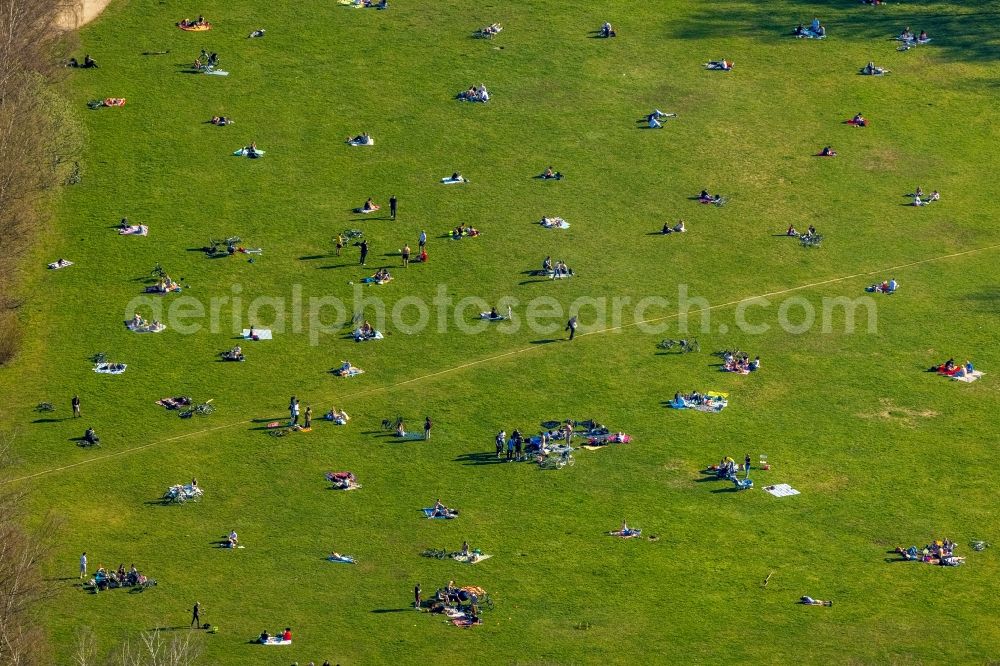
[60, 263]
[809, 601]
[724, 65]
[221, 121]
[259, 32]
[362, 139]
[439, 510]
[827, 152]
[549, 174]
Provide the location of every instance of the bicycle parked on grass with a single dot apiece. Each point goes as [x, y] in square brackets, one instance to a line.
[204, 409]
[683, 346]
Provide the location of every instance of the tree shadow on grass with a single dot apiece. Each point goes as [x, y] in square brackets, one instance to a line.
[958, 35]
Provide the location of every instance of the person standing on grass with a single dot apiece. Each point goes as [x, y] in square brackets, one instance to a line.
[427, 428]
[83, 565]
[746, 464]
[501, 436]
[422, 241]
[309, 417]
[76, 406]
[392, 206]
[416, 596]
[510, 449]
[571, 326]
[364, 251]
[196, 614]
[406, 255]
[340, 243]
[518, 441]
[293, 411]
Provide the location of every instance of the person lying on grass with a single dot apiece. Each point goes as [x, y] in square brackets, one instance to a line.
[809, 601]
[362, 139]
[871, 69]
[221, 121]
[827, 152]
[858, 121]
[724, 65]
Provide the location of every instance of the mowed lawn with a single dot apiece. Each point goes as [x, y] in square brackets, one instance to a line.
[883, 453]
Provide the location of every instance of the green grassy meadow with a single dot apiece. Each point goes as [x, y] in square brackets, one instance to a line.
[883, 453]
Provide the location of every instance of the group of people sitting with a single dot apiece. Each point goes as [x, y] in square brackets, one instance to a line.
[381, 276]
[792, 231]
[697, 400]
[490, 31]
[366, 332]
[920, 199]
[449, 601]
[940, 552]
[221, 121]
[724, 65]
[871, 69]
[139, 325]
[125, 228]
[198, 23]
[884, 287]
[559, 269]
[105, 580]
[234, 354]
[88, 63]
[475, 94]
[464, 229]
[607, 30]
[280, 636]
[206, 60]
[678, 228]
[950, 369]
[740, 364]
[707, 198]
[727, 468]
[362, 139]
[814, 31]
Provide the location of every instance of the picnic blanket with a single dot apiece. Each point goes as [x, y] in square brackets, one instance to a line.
[352, 372]
[134, 230]
[453, 181]
[554, 223]
[471, 558]
[243, 152]
[61, 263]
[258, 334]
[342, 559]
[781, 490]
[489, 316]
[713, 402]
[429, 512]
[357, 142]
[969, 377]
[110, 368]
[195, 28]
[626, 534]
[361, 337]
[808, 33]
[274, 640]
[219, 72]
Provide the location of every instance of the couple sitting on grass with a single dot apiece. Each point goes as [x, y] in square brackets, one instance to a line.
[886, 287]
[607, 30]
[342, 480]
[872, 70]
[814, 31]
[366, 332]
[139, 325]
[554, 223]
[439, 510]
[707, 198]
[794, 233]
[381, 276]
[340, 417]
[281, 637]
[678, 228]
[362, 139]
[920, 199]
[234, 354]
[464, 230]
[907, 36]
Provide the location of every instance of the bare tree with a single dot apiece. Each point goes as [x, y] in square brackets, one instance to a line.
[148, 648]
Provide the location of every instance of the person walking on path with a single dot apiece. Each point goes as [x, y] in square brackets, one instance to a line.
[427, 428]
[416, 596]
[422, 241]
[392, 206]
[196, 614]
[571, 326]
[406, 255]
[76, 406]
[309, 417]
[83, 565]
[364, 251]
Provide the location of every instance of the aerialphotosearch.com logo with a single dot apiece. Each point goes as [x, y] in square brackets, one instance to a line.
[326, 315]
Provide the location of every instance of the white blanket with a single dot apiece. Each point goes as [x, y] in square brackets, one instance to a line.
[261, 333]
[63, 263]
[109, 369]
[452, 181]
[781, 490]
[969, 378]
